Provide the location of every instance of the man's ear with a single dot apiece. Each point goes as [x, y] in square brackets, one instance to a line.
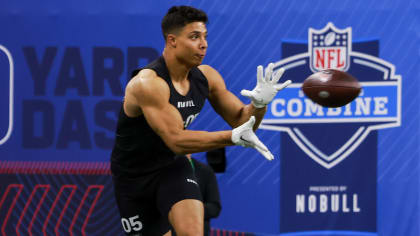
[171, 40]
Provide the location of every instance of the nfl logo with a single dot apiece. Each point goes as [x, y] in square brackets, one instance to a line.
[329, 48]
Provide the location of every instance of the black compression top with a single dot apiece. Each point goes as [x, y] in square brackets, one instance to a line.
[138, 150]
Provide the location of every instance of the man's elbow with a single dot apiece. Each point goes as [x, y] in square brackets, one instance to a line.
[176, 149]
[175, 145]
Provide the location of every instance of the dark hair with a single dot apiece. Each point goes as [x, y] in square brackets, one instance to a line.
[179, 16]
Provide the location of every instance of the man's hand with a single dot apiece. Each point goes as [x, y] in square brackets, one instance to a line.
[245, 136]
[267, 86]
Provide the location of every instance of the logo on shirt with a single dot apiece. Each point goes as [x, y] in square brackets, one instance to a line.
[184, 104]
[192, 181]
[190, 119]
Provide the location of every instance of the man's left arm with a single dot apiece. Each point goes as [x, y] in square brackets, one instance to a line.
[233, 111]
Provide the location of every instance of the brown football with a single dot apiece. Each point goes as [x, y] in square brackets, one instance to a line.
[331, 88]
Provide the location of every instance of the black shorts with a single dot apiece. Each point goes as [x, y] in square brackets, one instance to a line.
[144, 202]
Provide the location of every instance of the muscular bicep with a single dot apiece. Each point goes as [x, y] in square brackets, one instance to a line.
[152, 97]
[222, 100]
[165, 120]
[227, 105]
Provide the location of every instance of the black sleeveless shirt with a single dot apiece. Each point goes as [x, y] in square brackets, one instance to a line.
[138, 150]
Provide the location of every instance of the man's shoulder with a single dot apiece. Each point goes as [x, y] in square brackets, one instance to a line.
[206, 69]
[147, 82]
[145, 73]
[213, 76]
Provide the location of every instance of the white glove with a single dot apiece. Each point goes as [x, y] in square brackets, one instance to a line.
[267, 86]
[245, 136]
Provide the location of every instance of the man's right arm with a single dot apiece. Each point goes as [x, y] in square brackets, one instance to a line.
[151, 95]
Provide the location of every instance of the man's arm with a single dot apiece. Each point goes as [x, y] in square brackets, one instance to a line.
[226, 104]
[231, 108]
[151, 95]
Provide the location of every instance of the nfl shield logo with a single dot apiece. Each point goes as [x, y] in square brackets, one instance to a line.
[330, 48]
[331, 152]
[309, 124]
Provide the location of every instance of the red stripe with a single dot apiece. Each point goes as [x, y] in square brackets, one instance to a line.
[11, 167]
[60, 167]
[7, 192]
[69, 168]
[90, 168]
[81, 204]
[20, 186]
[27, 166]
[15, 167]
[38, 206]
[20, 166]
[7, 167]
[44, 227]
[36, 167]
[95, 168]
[46, 166]
[92, 206]
[64, 209]
[77, 168]
[4, 167]
[26, 208]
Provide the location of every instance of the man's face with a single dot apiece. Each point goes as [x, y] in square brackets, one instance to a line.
[191, 43]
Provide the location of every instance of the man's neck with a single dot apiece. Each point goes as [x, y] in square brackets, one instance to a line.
[177, 70]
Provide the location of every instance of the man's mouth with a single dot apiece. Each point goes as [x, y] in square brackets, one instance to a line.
[201, 56]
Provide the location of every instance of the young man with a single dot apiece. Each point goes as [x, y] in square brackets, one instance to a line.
[154, 183]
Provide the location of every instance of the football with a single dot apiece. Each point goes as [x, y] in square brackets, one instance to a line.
[331, 88]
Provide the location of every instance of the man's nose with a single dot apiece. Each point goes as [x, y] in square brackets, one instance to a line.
[203, 44]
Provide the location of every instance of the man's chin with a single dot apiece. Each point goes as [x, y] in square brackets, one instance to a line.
[200, 61]
[194, 62]
[197, 62]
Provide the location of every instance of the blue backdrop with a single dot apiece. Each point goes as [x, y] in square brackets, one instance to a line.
[64, 67]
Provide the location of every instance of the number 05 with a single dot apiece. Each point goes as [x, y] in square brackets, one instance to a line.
[131, 224]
